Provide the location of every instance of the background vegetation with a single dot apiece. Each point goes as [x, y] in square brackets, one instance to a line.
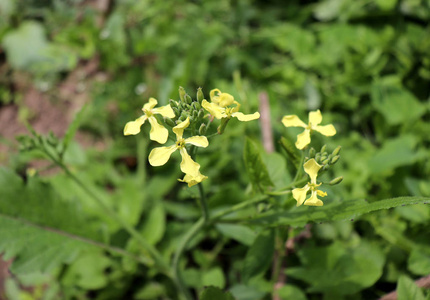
[364, 63]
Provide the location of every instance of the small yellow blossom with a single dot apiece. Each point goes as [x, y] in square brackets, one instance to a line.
[218, 107]
[159, 156]
[158, 133]
[311, 168]
[304, 138]
[193, 180]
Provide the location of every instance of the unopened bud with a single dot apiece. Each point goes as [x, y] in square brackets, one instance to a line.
[337, 150]
[188, 99]
[202, 129]
[169, 122]
[317, 156]
[184, 115]
[201, 114]
[312, 152]
[323, 148]
[182, 93]
[200, 95]
[336, 180]
[176, 111]
[326, 161]
[334, 159]
[323, 157]
[173, 103]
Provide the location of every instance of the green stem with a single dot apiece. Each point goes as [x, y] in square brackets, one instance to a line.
[239, 206]
[300, 169]
[203, 203]
[179, 251]
[158, 261]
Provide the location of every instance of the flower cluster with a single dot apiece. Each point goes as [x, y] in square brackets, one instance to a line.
[190, 115]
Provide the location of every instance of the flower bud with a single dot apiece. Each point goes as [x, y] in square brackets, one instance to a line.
[188, 99]
[176, 111]
[318, 156]
[323, 157]
[334, 159]
[201, 114]
[202, 129]
[173, 103]
[326, 161]
[184, 115]
[200, 95]
[336, 181]
[182, 94]
[323, 148]
[312, 152]
[337, 150]
[170, 122]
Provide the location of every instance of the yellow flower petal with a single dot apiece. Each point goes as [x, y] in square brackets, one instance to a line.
[179, 129]
[188, 166]
[199, 141]
[214, 109]
[133, 127]
[244, 118]
[225, 100]
[311, 168]
[159, 156]
[300, 194]
[165, 111]
[213, 93]
[151, 104]
[158, 133]
[321, 193]
[293, 121]
[327, 130]
[303, 139]
[315, 117]
[313, 200]
[193, 180]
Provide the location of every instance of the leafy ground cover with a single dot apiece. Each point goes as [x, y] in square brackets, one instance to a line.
[83, 69]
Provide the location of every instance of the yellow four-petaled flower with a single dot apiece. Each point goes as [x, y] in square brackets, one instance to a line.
[158, 133]
[311, 168]
[219, 107]
[304, 138]
[159, 156]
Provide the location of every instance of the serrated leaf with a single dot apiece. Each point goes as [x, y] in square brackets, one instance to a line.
[334, 212]
[214, 293]
[259, 255]
[38, 228]
[257, 170]
[408, 290]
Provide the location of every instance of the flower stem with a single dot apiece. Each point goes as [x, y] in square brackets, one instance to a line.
[179, 251]
[300, 169]
[203, 203]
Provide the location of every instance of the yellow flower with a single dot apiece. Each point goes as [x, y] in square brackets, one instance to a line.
[158, 133]
[193, 180]
[315, 118]
[159, 156]
[218, 107]
[311, 168]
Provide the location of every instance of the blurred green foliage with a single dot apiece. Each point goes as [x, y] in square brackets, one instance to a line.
[364, 63]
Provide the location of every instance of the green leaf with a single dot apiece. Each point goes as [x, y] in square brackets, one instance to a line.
[334, 212]
[255, 167]
[245, 292]
[214, 277]
[154, 224]
[214, 293]
[338, 268]
[38, 228]
[259, 255]
[289, 291]
[277, 168]
[419, 262]
[408, 290]
[239, 233]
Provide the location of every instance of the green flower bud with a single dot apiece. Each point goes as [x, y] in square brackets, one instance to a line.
[182, 94]
[336, 180]
[200, 95]
[201, 114]
[173, 103]
[184, 115]
[323, 157]
[195, 114]
[323, 148]
[176, 111]
[170, 122]
[318, 156]
[312, 152]
[197, 106]
[188, 99]
[334, 159]
[326, 161]
[182, 118]
[202, 129]
[337, 150]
